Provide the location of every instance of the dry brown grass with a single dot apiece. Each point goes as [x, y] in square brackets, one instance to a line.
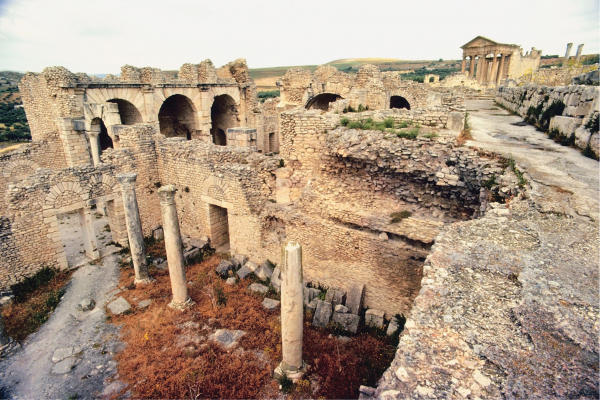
[25, 317]
[164, 360]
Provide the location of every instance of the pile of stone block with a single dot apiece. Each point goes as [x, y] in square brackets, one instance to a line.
[342, 308]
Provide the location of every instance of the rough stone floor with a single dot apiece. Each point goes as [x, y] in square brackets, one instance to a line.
[72, 353]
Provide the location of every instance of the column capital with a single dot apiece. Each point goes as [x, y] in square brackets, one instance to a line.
[93, 134]
[127, 179]
[167, 194]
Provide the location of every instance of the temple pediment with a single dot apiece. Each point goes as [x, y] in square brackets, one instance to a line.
[479, 41]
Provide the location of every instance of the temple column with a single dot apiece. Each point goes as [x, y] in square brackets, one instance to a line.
[464, 62]
[95, 143]
[479, 68]
[578, 55]
[174, 248]
[134, 228]
[500, 69]
[291, 311]
[567, 53]
[472, 66]
[494, 68]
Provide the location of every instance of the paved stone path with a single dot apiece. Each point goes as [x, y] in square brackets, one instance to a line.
[81, 344]
[549, 164]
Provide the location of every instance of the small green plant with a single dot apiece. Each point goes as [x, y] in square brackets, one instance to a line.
[355, 125]
[593, 125]
[430, 135]
[399, 216]
[337, 329]
[489, 183]
[271, 264]
[285, 383]
[344, 121]
[361, 108]
[588, 152]
[281, 163]
[220, 296]
[411, 134]
[388, 123]
[30, 284]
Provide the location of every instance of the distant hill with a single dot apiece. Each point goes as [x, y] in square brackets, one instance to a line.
[266, 77]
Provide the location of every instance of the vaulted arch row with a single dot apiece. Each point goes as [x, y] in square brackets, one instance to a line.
[226, 111]
[402, 99]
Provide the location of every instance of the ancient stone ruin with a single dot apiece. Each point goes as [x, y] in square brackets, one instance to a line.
[197, 157]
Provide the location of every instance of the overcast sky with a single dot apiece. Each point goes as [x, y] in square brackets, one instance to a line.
[101, 36]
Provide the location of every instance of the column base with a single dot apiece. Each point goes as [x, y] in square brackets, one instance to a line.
[182, 306]
[295, 374]
[146, 281]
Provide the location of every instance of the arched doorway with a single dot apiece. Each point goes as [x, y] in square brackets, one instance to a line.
[223, 115]
[399, 102]
[129, 113]
[321, 101]
[220, 138]
[177, 117]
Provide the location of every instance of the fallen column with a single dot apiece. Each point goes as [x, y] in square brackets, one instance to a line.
[291, 312]
[173, 245]
[134, 228]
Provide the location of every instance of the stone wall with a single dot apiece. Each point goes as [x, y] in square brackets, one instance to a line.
[29, 233]
[341, 187]
[519, 64]
[555, 76]
[581, 104]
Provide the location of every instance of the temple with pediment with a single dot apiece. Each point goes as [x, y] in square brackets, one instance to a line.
[490, 62]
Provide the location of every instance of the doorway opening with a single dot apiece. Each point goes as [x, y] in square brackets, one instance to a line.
[219, 228]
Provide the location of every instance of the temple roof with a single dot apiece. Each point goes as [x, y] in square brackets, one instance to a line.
[481, 41]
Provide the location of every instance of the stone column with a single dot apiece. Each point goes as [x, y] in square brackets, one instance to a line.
[480, 62]
[95, 144]
[500, 69]
[494, 69]
[579, 50]
[464, 63]
[291, 311]
[472, 66]
[174, 248]
[134, 228]
[89, 235]
[567, 53]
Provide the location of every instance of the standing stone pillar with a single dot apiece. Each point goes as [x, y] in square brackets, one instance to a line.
[567, 53]
[134, 228]
[291, 312]
[494, 69]
[464, 63]
[578, 55]
[471, 66]
[174, 248]
[500, 69]
[95, 143]
[89, 234]
[480, 62]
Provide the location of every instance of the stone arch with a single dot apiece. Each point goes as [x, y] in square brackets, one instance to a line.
[101, 185]
[129, 113]
[178, 117]
[322, 101]
[135, 96]
[214, 186]
[407, 95]
[399, 102]
[65, 194]
[19, 168]
[224, 114]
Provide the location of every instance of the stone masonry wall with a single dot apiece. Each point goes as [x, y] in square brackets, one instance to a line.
[582, 103]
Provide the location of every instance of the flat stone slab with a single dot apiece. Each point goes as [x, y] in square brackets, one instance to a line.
[144, 303]
[61, 354]
[230, 281]
[263, 272]
[348, 321]
[354, 298]
[322, 314]
[270, 304]
[224, 267]
[64, 366]
[257, 287]
[374, 318]
[244, 272]
[226, 338]
[119, 306]
[335, 296]
[252, 266]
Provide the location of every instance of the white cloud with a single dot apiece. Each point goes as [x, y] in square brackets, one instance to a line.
[99, 37]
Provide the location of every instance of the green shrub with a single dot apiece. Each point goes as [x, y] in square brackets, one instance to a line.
[287, 385]
[30, 284]
[489, 183]
[344, 121]
[361, 108]
[399, 216]
[588, 152]
[268, 94]
[593, 124]
[388, 123]
[355, 125]
[281, 163]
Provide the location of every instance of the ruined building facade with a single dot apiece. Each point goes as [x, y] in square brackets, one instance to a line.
[249, 176]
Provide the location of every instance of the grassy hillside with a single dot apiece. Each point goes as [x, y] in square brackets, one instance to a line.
[266, 77]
